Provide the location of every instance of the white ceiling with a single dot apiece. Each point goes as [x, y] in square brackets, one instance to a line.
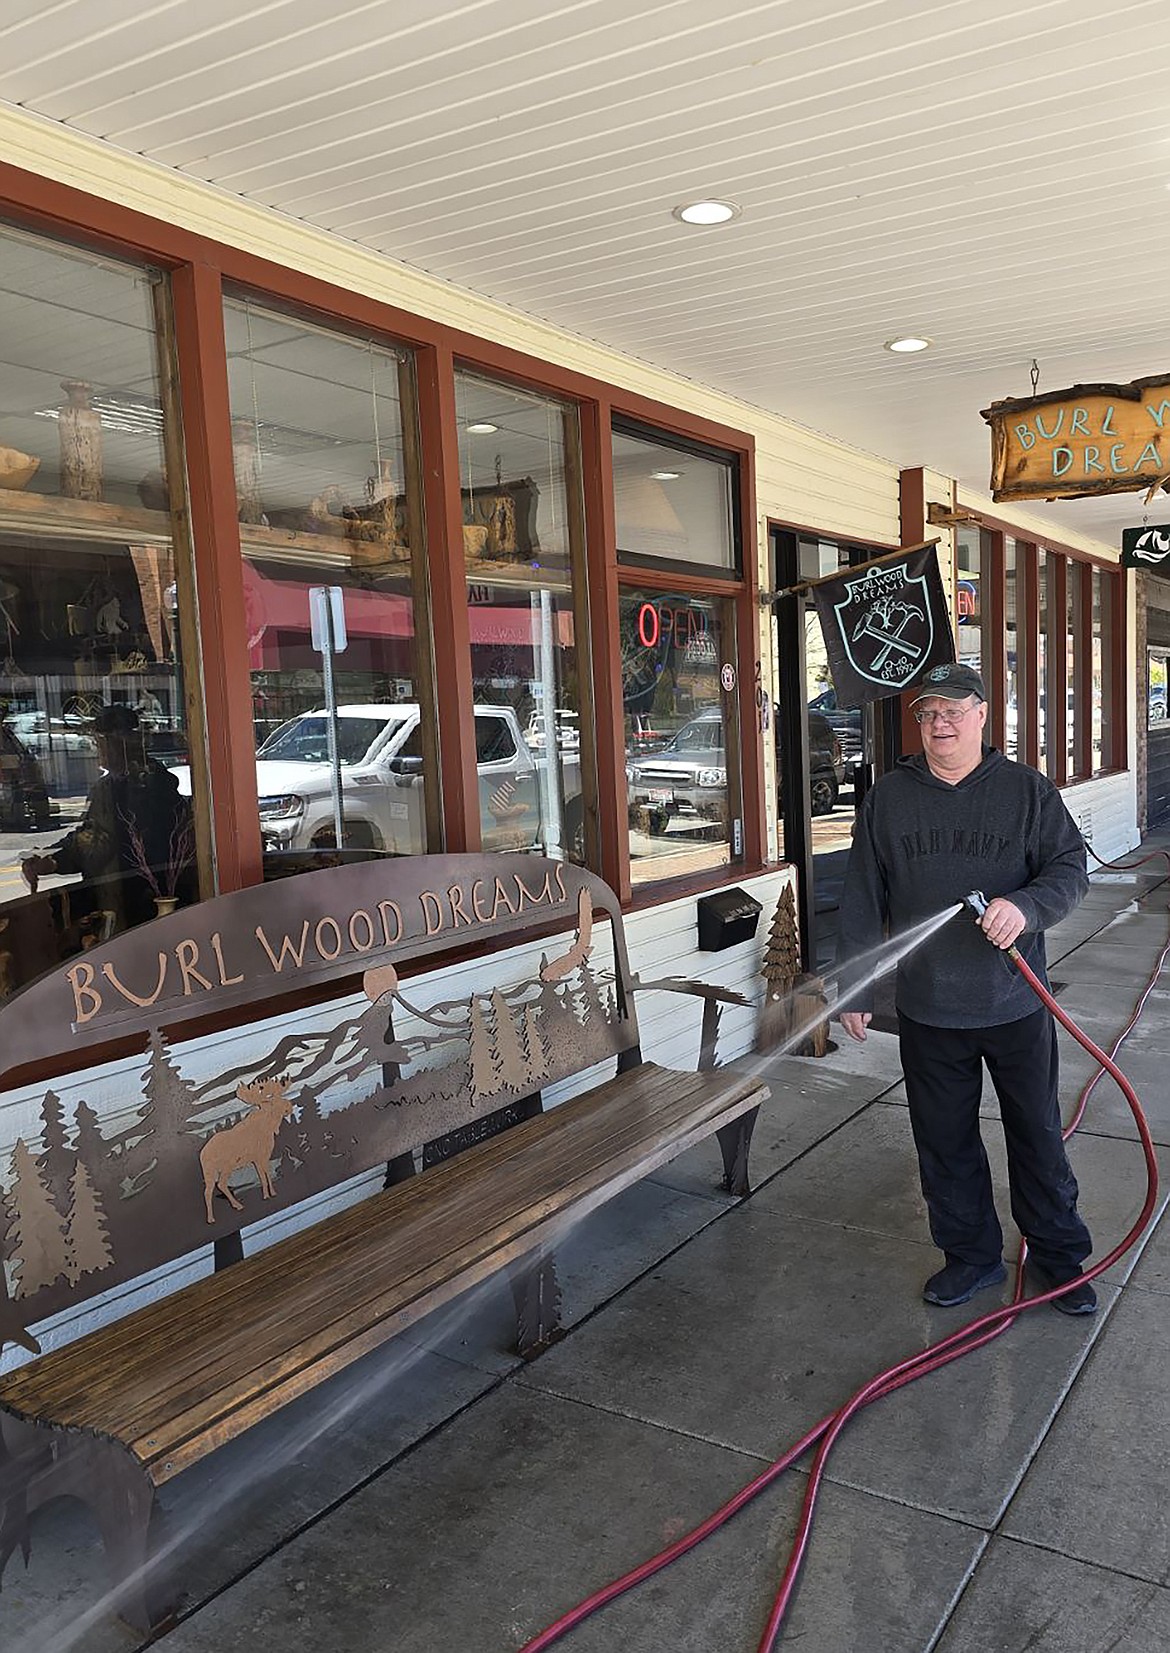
[991, 173]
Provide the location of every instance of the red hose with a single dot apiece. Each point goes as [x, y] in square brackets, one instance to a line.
[968, 1338]
[981, 1331]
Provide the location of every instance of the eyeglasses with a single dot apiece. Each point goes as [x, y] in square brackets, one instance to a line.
[953, 715]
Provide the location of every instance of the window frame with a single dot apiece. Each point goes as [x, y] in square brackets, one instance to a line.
[156, 271]
[739, 587]
[201, 270]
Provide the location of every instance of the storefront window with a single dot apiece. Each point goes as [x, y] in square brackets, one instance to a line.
[672, 505]
[682, 734]
[674, 510]
[326, 480]
[96, 832]
[523, 545]
[969, 603]
[1157, 688]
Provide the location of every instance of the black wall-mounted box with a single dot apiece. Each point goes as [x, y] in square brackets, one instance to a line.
[727, 918]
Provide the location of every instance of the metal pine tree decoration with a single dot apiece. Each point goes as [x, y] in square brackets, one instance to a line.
[791, 998]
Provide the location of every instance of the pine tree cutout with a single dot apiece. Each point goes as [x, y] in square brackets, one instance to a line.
[168, 1095]
[485, 1065]
[591, 996]
[93, 1151]
[56, 1159]
[134, 1150]
[35, 1240]
[87, 1245]
[513, 1066]
[534, 1045]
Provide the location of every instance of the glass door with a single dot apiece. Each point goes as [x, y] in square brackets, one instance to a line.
[827, 749]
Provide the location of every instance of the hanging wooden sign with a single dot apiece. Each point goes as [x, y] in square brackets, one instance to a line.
[1089, 439]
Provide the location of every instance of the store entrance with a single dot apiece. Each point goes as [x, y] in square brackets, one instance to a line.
[828, 751]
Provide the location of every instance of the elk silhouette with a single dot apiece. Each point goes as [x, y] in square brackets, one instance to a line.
[248, 1142]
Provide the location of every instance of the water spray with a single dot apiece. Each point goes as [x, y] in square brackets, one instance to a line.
[974, 1335]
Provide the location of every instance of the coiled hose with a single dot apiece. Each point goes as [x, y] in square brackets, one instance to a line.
[968, 1338]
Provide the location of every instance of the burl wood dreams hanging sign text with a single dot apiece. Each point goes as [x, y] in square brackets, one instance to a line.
[1089, 439]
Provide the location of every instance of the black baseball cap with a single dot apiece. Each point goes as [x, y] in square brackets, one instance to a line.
[953, 682]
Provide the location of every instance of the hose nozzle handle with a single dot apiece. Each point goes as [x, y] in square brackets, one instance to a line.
[977, 902]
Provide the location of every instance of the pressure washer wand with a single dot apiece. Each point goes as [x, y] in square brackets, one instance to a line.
[978, 903]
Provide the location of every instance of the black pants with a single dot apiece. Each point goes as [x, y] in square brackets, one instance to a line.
[943, 1069]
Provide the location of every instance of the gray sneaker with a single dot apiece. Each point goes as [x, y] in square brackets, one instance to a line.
[1079, 1299]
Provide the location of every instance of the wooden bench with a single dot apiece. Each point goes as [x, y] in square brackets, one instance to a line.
[401, 1078]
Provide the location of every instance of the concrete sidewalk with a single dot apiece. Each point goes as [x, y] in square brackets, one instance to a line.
[446, 1497]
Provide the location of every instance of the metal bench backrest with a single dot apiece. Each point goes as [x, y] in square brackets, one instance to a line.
[90, 1205]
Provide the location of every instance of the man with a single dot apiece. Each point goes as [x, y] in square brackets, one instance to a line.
[958, 817]
[133, 843]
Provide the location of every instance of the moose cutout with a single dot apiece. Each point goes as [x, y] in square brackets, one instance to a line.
[249, 1142]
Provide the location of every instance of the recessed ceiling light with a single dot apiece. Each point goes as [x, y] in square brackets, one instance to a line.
[482, 428]
[665, 476]
[708, 212]
[909, 345]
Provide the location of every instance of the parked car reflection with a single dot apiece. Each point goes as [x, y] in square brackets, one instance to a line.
[845, 722]
[42, 735]
[683, 786]
[24, 798]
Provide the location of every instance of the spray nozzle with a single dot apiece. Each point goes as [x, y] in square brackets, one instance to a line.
[977, 902]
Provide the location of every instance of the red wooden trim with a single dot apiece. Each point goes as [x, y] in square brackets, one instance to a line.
[1028, 645]
[219, 574]
[912, 505]
[1057, 686]
[994, 596]
[657, 891]
[1083, 678]
[657, 579]
[74, 215]
[63, 209]
[1012, 530]
[605, 640]
[1117, 752]
[60, 209]
[448, 579]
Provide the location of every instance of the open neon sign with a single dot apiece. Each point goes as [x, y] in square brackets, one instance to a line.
[683, 626]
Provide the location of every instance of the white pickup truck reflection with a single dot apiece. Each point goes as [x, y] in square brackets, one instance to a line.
[381, 757]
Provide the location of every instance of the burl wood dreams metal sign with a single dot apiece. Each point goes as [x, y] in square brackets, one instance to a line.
[97, 1202]
[1089, 439]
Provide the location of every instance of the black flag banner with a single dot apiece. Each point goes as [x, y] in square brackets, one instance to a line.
[884, 626]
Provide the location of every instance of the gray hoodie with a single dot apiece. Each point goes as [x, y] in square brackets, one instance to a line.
[922, 844]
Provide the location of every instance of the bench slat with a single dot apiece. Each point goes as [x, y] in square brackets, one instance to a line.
[407, 1221]
[179, 1377]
